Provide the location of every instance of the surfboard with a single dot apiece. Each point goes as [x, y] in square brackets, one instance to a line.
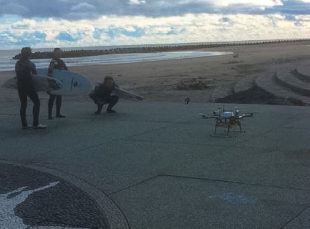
[40, 82]
[72, 83]
[121, 93]
[126, 94]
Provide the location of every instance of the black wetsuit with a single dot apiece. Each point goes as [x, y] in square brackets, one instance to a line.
[102, 95]
[60, 65]
[24, 69]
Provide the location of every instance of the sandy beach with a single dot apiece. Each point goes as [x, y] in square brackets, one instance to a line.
[203, 79]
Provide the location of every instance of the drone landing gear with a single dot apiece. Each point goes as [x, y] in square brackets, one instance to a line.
[228, 123]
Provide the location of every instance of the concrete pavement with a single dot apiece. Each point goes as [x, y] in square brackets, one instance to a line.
[155, 165]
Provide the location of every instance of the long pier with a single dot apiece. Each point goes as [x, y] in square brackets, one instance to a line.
[156, 48]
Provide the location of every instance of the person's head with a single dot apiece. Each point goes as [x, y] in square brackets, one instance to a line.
[57, 53]
[108, 81]
[25, 52]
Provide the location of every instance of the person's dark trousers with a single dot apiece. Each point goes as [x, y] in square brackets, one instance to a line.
[23, 93]
[111, 101]
[51, 103]
[99, 108]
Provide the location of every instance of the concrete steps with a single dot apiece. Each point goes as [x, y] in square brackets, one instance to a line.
[271, 85]
[221, 92]
[244, 84]
[286, 79]
[302, 73]
[286, 85]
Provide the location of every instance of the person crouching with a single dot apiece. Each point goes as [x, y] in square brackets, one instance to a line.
[103, 94]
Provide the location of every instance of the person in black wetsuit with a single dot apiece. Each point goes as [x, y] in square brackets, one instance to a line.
[56, 63]
[102, 94]
[25, 71]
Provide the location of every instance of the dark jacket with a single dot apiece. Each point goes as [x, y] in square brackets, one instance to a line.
[56, 64]
[25, 69]
[101, 93]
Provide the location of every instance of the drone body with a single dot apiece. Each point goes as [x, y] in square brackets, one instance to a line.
[227, 119]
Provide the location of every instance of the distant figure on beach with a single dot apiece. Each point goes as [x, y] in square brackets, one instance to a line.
[187, 100]
[236, 55]
[25, 71]
[56, 63]
[102, 94]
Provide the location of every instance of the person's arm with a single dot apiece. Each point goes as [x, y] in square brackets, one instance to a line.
[97, 90]
[17, 68]
[51, 68]
[33, 69]
[61, 65]
[65, 66]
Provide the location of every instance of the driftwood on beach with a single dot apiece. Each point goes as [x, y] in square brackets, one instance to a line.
[152, 49]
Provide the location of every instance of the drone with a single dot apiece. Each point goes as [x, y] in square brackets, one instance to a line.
[227, 119]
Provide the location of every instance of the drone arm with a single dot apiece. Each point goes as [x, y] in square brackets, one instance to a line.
[208, 116]
[246, 115]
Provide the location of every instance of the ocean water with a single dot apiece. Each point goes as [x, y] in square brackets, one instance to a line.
[8, 64]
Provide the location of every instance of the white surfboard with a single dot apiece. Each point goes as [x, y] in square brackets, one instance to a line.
[126, 94]
[72, 83]
[40, 82]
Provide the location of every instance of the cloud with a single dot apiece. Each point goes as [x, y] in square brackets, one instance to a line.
[84, 6]
[13, 8]
[251, 3]
[43, 23]
[64, 36]
[124, 30]
[90, 9]
[114, 32]
[137, 2]
[8, 38]
[293, 7]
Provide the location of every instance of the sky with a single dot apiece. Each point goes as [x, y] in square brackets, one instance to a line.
[80, 23]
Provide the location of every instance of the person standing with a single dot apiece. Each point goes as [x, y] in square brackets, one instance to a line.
[25, 71]
[56, 63]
